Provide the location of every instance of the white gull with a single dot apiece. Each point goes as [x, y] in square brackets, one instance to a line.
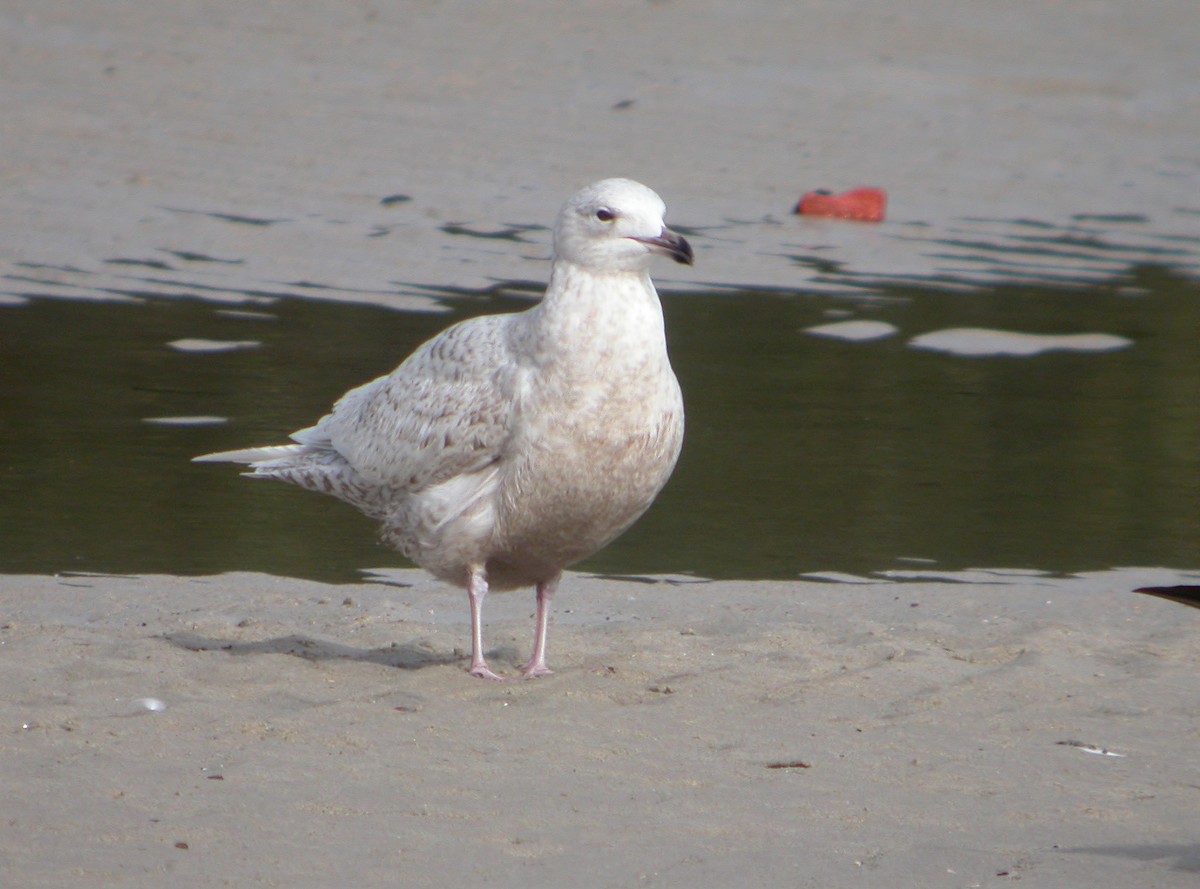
[509, 447]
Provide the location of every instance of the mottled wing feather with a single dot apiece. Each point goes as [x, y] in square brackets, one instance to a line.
[447, 410]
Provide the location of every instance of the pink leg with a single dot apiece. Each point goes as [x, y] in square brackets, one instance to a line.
[477, 588]
[537, 661]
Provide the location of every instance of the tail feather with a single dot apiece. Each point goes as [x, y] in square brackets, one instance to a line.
[252, 455]
[315, 469]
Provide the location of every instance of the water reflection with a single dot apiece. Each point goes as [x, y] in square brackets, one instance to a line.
[804, 453]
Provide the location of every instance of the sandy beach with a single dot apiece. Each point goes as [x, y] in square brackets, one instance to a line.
[925, 729]
[971, 730]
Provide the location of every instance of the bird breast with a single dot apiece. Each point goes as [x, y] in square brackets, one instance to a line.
[584, 472]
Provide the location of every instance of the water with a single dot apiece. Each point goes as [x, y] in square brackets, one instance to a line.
[803, 453]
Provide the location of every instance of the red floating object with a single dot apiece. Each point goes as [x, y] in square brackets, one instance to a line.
[860, 204]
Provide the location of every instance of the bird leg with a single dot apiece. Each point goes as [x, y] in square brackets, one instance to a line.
[477, 588]
[537, 661]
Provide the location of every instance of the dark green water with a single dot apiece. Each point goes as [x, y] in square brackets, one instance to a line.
[803, 454]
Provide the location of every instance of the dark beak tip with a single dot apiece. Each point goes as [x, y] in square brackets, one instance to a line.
[672, 245]
[682, 253]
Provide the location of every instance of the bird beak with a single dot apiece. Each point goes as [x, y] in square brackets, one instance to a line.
[669, 244]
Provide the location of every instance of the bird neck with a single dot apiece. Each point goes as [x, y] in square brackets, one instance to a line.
[611, 312]
[567, 277]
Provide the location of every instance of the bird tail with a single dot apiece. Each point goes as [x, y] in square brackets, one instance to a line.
[323, 470]
[254, 457]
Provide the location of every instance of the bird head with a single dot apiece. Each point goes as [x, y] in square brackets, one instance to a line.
[616, 225]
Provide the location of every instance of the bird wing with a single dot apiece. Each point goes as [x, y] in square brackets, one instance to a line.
[448, 410]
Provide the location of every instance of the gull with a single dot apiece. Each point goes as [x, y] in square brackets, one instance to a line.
[509, 447]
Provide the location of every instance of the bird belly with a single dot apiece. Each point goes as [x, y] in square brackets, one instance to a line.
[577, 489]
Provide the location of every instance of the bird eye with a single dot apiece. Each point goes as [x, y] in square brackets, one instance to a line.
[605, 215]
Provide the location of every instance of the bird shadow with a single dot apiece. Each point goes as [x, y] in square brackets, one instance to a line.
[405, 656]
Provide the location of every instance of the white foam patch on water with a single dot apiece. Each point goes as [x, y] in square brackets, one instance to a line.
[203, 345]
[186, 421]
[246, 315]
[839, 577]
[967, 575]
[854, 331]
[986, 342]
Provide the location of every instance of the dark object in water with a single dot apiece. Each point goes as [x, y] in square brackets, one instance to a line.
[1184, 595]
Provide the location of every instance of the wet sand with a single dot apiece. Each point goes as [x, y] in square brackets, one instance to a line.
[242, 151]
[902, 732]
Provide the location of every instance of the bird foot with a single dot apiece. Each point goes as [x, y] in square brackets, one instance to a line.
[529, 671]
[483, 671]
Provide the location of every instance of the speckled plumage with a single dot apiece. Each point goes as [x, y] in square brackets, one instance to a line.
[509, 447]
